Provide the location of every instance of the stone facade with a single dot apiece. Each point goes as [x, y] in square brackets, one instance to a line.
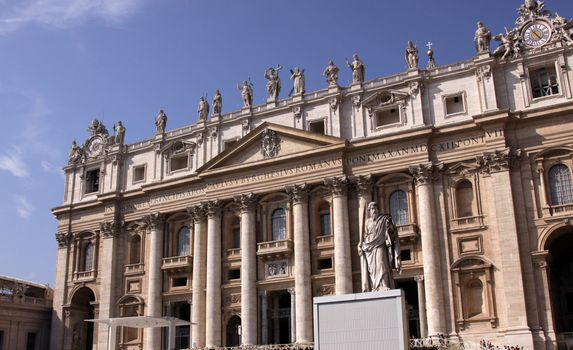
[242, 218]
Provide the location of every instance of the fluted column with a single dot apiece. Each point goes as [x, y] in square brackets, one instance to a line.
[155, 223]
[213, 310]
[342, 260]
[198, 215]
[364, 186]
[302, 282]
[247, 204]
[422, 306]
[424, 174]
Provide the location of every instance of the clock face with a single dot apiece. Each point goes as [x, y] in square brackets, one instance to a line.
[537, 34]
[95, 147]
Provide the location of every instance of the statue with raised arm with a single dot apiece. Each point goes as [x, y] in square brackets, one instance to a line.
[331, 74]
[161, 122]
[412, 55]
[119, 130]
[357, 68]
[482, 38]
[247, 94]
[297, 77]
[379, 251]
[217, 103]
[203, 108]
[273, 82]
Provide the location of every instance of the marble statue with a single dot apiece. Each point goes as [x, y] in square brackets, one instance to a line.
[563, 28]
[357, 69]
[411, 55]
[482, 38]
[273, 82]
[217, 103]
[297, 77]
[331, 74]
[75, 152]
[161, 122]
[97, 128]
[246, 93]
[203, 108]
[119, 130]
[379, 251]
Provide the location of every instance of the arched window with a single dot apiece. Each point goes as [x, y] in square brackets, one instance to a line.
[278, 224]
[324, 219]
[560, 185]
[236, 232]
[464, 199]
[474, 298]
[88, 257]
[183, 241]
[399, 208]
[135, 249]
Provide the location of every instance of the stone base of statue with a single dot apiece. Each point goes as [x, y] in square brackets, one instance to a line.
[375, 320]
[332, 89]
[297, 97]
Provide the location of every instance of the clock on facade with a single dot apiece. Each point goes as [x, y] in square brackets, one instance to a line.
[95, 147]
[537, 34]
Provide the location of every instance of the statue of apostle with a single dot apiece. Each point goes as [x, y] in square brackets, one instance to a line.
[297, 77]
[411, 55]
[246, 94]
[482, 38]
[203, 108]
[119, 133]
[273, 82]
[357, 69]
[379, 251]
[161, 122]
[217, 103]
[331, 74]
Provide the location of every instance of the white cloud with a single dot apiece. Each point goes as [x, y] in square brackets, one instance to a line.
[11, 161]
[23, 207]
[61, 13]
[51, 168]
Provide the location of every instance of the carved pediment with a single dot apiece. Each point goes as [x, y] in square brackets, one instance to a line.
[177, 147]
[462, 169]
[384, 98]
[270, 142]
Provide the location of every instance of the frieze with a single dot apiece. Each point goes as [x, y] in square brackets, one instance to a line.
[143, 204]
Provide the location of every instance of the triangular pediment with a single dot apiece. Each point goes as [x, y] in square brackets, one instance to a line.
[269, 143]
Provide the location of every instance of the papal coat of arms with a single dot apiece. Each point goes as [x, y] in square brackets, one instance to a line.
[271, 143]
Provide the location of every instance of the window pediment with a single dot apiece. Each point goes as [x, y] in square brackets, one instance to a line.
[383, 99]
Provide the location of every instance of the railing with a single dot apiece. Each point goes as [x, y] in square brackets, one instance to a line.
[176, 262]
[234, 253]
[324, 240]
[467, 222]
[275, 247]
[16, 299]
[84, 275]
[442, 343]
[560, 209]
[133, 269]
[264, 347]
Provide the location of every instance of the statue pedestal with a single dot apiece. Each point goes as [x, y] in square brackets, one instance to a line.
[333, 89]
[356, 86]
[297, 98]
[271, 103]
[376, 320]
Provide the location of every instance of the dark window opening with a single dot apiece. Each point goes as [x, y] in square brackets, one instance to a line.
[406, 255]
[31, 341]
[325, 264]
[544, 82]
[92, 181]
[317, 127]
[234, 274]
[179, 282]
[454, 105]
[178, 163]
[139, 173]
[387, 117]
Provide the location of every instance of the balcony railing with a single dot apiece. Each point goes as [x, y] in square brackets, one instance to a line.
[560, 209]
[234, 254]
[265, 347]
[84, 275]
[408, 232]
[177, 262]
[324, 241]
[16, 299]
[133, 269]
[467, 223]
[275, 248]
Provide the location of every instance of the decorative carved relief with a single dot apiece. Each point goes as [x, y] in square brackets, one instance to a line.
[111, 228]
[276, 269]
[337, 185]
[499, 160]
[64, 239]
[213, 208]
[297, 111]
[246, 202]
[333, 102]
[364, 184]
[483, 73]
[197, 212]
[154, 221]
[271, 143]
[325, 289]
[298, 193]
[426, 172]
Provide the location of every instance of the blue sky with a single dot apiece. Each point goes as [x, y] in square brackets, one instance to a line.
[64, 62]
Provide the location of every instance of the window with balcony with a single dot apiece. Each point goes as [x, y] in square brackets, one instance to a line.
[544, 82]
[399, 208]
[324, 219]
[560, 187]
[183, 241]
[278, 224]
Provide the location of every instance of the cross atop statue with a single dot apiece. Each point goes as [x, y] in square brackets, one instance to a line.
[429, 45]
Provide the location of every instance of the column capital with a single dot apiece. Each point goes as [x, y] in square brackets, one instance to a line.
[541, 259]
[263, 293]
[246, 202]
[110, 229]
[419, 278]
[498, 160]
[154, 221]
[64, 239]
[297, 193]
[291, 290]
[213, 208]
[197, 212]
[337, 185]
[426, 172]
[363, 184]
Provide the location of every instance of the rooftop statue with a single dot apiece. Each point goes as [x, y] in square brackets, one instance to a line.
[331, 74]
[97, 128]
[563, 28]
[217, 103]
[531, 9]
[119, 130]
[203, 108]
[273, 82]
[411, 55]
[75, 153]
[246, 93]
[161, 122]
[357, 69]
[482, 38]
[379, 251]
[297, 77]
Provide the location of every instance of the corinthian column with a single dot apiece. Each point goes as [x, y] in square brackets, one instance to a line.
[155, 223]
[247, 203]
[423, 174]
[302, 282]
[213, 323]
[199, 275]
[342, 261]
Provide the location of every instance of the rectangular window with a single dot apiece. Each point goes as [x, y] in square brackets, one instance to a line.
[325, 224]
[325, 264]
[234, 274]
[317, 126]
[405, 255]
[228, 144]
[178, 163]
[544, 82]
[179, 282]
[138, 173]
[1, 340]
[237, 236]
[455, 104]
[31, 341]
[388, 117]
[92, 181]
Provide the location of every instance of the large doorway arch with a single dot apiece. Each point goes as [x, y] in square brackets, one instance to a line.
[561, 278]
[234, 331]
[81, 309]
